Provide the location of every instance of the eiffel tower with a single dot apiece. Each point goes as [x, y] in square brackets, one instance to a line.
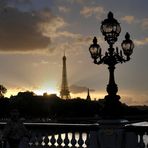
[64, 93]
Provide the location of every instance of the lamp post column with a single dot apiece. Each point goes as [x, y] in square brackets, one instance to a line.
[112, 88]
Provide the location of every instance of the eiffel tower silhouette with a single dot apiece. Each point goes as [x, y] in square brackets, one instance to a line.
[64, 93]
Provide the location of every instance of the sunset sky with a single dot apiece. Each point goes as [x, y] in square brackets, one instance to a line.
[35, 33]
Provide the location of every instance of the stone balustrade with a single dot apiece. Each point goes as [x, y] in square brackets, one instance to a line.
[55, 135]
[102, 135]
[141, 131]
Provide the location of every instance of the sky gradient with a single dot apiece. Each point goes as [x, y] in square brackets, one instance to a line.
[35, 33]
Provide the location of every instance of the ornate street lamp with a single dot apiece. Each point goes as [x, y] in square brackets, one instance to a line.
[111, 29]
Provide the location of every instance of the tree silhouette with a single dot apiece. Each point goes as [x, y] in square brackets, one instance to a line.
[3, 90]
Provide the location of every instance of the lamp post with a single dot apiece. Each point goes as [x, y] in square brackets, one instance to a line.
[111, 29]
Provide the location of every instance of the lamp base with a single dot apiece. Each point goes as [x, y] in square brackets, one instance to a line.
[113, 108]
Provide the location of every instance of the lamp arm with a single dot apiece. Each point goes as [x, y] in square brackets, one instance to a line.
[100, 61]
[120, 58]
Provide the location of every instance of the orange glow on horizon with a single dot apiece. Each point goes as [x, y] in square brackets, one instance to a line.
[130, 98]
[46, 90]
[93, 95]
[47, 87]
[37, 91]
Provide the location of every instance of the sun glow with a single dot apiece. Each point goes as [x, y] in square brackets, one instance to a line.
[48, 87]
[46, 90]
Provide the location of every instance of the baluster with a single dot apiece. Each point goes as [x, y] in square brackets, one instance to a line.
[59, 141]
[147, 141]
[3, 144]
[87, 139]
[141, 142]
[66, 140]
[40, 140]
[73, 140]
[53, 141]
[36, 141]
[25, 142]
[80, 141]
[146, 144]
[2, 141]
[46, 141]
[32, 140]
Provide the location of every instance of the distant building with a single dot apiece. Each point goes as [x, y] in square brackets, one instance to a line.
[88, 95]
[64, 93]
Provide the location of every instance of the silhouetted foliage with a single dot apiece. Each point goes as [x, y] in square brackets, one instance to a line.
[3, 90]
[54, 108]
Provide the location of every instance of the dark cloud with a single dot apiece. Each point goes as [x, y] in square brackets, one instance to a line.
[20, 31]
[79, 89]
[17, 1]
[23, 1]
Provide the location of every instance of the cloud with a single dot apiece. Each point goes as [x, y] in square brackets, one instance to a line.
[75, 43]
[80, 1]
[134, 97]
[3, 5]
[64, 9]
[66, 34]
[51, 28]
[77, 1]
[135, 100]
[145, 23]
[20, 1]
[23, 4]
[141, 42]
[78, 89]
[23, 1]
[40, 63]
[97, 11]
[128, 19]
[27, 31]
[37, 31]
[19, 31]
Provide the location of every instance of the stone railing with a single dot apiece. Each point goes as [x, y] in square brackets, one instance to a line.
[141, 132]
[106, 134]
[55, 135]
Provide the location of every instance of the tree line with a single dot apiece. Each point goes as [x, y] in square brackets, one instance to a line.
[53, 107]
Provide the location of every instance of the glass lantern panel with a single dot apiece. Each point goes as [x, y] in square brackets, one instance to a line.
[114, 28]
[104, 29]
[118, 29]
[127, 46]
[109, 28]
[93, 50]
[128, 52]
